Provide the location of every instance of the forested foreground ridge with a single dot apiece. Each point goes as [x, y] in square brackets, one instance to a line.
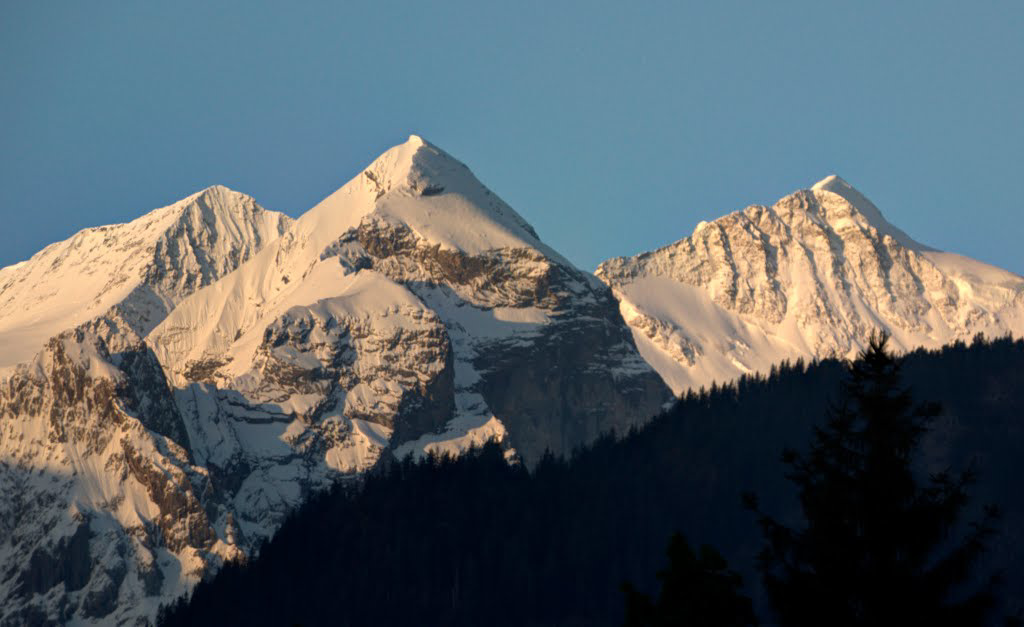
[476, 540]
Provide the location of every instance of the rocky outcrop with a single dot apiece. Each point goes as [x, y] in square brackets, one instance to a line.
[588, 365]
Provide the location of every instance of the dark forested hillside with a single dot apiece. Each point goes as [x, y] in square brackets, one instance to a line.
[478, 541]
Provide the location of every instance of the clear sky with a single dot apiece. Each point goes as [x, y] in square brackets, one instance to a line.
[612, 127]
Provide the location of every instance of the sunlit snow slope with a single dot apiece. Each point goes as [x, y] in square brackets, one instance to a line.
[135, 272]
[810, 276]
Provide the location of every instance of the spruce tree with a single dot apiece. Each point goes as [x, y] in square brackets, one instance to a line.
[697, 590]
[879, 546]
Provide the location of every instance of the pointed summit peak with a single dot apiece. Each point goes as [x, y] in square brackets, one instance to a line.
[834, 184]
[216, 198]
[416, 158]
[422, 187]
[440, 199]
[217, 188]
[216, 191]
[837, 185]
[219, 203]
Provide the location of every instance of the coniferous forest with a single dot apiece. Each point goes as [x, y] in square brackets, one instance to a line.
[727, 493]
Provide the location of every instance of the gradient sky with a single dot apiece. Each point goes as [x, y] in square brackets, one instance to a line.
[612, 127]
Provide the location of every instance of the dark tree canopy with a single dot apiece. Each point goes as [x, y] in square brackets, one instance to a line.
[878, 547]
[697, 590]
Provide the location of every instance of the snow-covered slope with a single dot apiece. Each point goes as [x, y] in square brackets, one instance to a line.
[810, 276]
[135, 272]
[217, 364]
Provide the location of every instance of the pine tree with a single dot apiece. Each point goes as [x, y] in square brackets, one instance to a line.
[696, 591]
[878, 545]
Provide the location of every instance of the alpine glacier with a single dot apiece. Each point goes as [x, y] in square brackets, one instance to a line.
[173, 387]
[809, 277]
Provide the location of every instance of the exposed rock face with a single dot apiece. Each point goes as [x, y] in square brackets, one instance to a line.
[568, 373]
[810, 276]
[588, 366]
[248, 360]
[67, 563]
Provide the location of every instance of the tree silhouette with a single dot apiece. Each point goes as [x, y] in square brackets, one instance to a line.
[696, 591]
[878, 545]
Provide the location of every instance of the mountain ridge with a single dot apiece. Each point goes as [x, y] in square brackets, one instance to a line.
[247, 360]
[144, 266]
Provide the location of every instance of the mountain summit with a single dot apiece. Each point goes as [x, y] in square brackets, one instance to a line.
[432, 193]
[808, 277]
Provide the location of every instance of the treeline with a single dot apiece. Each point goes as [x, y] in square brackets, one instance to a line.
[475, 540]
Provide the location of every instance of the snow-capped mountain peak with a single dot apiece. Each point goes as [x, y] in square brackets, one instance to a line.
[836, 184]
[810, 276]
[410, 311]
[422, 187]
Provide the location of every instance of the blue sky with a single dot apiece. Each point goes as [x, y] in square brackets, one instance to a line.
[612, 127]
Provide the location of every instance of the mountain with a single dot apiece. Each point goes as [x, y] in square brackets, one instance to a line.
[229, 363]
[172, 388]
[809, 277]
[416, 253]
